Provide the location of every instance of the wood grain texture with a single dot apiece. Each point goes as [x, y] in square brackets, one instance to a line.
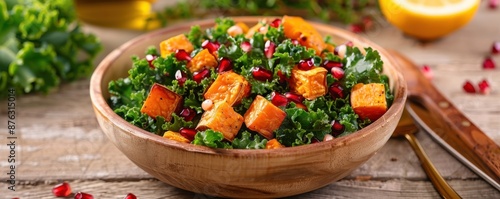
[60, 138]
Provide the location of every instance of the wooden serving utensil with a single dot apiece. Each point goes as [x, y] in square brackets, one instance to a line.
[406, 128]
[460, 134]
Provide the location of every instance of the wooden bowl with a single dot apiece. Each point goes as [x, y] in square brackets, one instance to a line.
[240, 173]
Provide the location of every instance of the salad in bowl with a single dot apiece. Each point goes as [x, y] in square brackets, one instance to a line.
[276, 84]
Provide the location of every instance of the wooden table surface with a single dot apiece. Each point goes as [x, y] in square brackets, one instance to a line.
[58, 138]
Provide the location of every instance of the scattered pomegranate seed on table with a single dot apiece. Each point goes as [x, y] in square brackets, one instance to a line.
[83, 195]
[130, 196]
[182, 55]
[356, 28]
[493, 4]
[61, 190]
[484, 87]
[427, 71]
[367, 22]
[495, 48]
[488, 63]
[469, 87]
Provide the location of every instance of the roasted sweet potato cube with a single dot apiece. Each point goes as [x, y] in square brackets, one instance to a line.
[264, 117]
[161, 102]
[230, 87]
[299, 29]
[309, 83]
[273, 144]
[204, 59]
[256, 28]
[221, 118]
[368, 100]
[175, 43]
[175, 136]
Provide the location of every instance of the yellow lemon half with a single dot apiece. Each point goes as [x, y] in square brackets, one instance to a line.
[428, 19]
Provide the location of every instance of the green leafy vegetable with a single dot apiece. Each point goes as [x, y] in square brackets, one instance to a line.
[210, 138]
[246, 141]
[42, 45]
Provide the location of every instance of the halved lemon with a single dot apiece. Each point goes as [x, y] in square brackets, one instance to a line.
[428, 19]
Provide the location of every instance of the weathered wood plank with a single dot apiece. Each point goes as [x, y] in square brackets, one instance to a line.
[152, 189]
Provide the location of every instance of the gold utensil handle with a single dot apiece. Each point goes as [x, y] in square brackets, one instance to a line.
[440, 184]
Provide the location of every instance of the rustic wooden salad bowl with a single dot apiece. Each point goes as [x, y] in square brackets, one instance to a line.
[237, 173]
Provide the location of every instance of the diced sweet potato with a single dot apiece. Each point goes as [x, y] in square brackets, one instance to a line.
[175, 136]
[273, 144]
[309, 83]
[264, 117]
[368, 100]
[161, 102]
[299, 29]
[175, 43]
[221, 118]
[204, 59]
[238, 28]
[230, 87]
[243, 26]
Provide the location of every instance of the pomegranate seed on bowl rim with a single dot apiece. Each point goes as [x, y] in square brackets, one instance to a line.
[278, 99]
[61, 190]
[495, 48]
[82, 195]
[130, 196]
[484, 87]
[468, 87]
[356, 28]
[488, 63]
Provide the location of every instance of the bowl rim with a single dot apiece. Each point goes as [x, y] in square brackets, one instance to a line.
[101, 106]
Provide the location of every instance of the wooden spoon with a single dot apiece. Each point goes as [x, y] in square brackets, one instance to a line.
[407, 128]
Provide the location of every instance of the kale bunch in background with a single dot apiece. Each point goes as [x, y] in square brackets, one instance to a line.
[42, 45]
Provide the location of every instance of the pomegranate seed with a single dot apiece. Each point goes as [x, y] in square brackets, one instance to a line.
[150, 59]
[340, 50]
[356, 28]
[427, 71]
[130, 196]
[328, 65]
[182, 55]
[275, 23]
[495, 49]
[207, 104]
[306, 64]
[269, 49]
[224, 65]
[278, 99]
[367, 22]
[188, 114]
[198, 76]
[468, 87]
[327, 137]
[82, 195]
[314, 140]
[181, 77]
[261, 74]
[294, 97]
[188, 133]
[263, 30]
[282, 77]
[488, 63]
[211, 46]
[295, 42]
[337, 128]
[61, 190]
[338, 73]
[349, 43]
[246, 46]
[493, 3]
[484, 87]
[336, 91]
